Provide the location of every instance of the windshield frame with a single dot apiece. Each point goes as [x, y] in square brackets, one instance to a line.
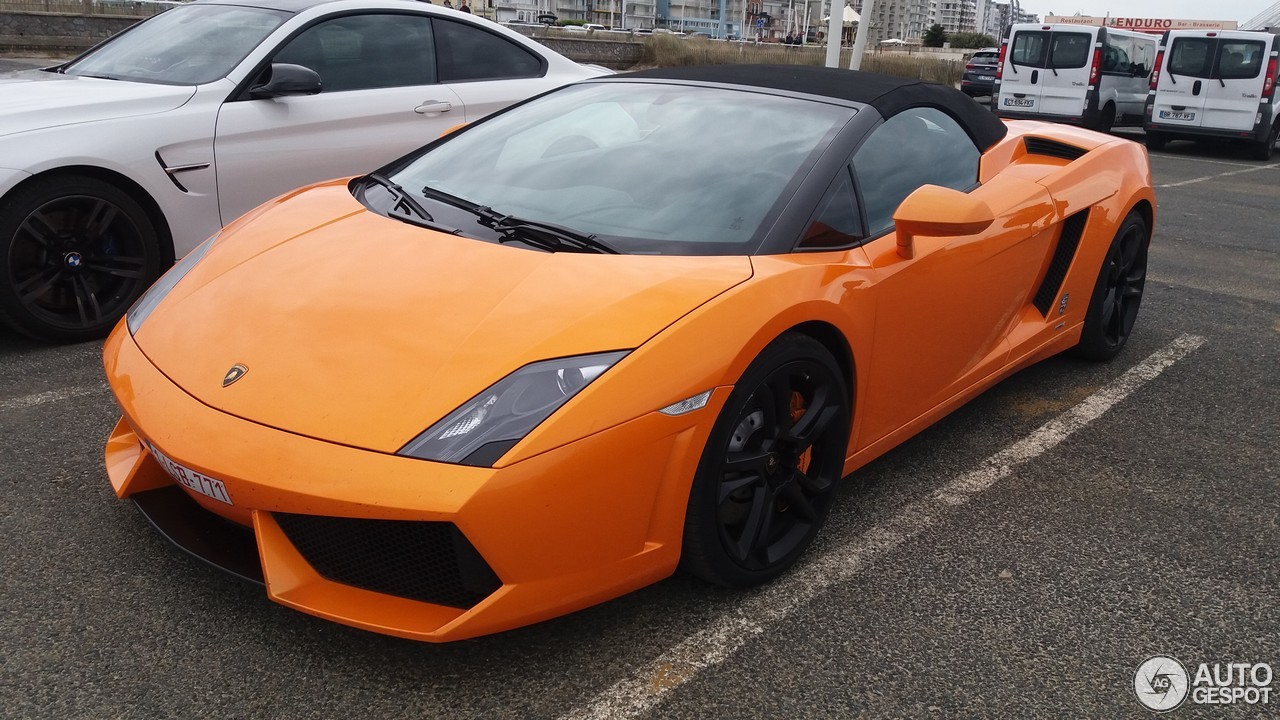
[791, 199]
[69, 68]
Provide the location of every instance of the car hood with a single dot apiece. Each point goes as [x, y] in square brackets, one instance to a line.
[362, 330]
[35, 99]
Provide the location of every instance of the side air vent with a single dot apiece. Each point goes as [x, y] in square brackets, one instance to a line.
[1052, 148]
[1063, 254]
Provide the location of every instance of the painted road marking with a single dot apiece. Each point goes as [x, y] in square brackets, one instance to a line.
[1193, 181]
[756, 611]
[51, 396]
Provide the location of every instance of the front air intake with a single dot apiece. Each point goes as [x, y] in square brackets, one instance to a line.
[432, 562]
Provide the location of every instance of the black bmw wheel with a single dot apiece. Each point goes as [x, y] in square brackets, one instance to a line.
[76, 253]
[1113, 309]
[769, 469]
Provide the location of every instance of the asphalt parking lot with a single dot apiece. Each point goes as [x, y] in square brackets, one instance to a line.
[1021, 558]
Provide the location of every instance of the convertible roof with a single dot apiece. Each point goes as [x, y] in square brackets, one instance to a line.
[887, 94]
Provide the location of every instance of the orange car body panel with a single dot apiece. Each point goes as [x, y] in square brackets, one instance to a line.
[590, 504]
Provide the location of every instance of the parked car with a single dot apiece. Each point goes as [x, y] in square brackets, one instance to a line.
[1077, 74]
[980, 72]
[1219, 84]
[555, 355]
[117, 162]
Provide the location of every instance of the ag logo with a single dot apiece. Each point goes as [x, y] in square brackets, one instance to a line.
[1160, 683]
[236, 372]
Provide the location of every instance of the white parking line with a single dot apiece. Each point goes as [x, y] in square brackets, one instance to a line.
[1253, 168]
[51, 396]
[1188, 158]
[755, 612]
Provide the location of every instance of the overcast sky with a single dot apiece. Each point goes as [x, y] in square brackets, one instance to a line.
[1238, 10]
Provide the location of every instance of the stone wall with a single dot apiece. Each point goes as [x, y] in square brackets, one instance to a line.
[39, 32]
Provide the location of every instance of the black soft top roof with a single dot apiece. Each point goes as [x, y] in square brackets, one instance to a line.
[887, 94]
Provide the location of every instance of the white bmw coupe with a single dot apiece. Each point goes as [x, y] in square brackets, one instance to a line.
[117, 162]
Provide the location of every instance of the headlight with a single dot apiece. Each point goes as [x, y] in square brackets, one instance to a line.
[157, 292]
[485, 427]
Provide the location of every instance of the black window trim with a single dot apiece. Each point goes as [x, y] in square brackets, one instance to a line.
[241, 91]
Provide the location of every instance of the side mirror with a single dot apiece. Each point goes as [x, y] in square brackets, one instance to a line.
[938, 212]
[285, 79]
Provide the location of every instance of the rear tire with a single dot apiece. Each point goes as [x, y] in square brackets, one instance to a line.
[75, 252]
[770, 466]
[1266, 149]
[1106, 119]
[1113, 307]
[1156, 141]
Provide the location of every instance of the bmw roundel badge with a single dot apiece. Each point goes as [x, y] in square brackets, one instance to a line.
[236, 372]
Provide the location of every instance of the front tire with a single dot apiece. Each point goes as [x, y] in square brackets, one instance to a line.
[1156, 140]
[75, 252]
[769, 469]
[1113, 307]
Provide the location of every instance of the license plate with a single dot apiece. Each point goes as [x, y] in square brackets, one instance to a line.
[1177, 115]
[986, 77]
[190, 479]
[1019, 102]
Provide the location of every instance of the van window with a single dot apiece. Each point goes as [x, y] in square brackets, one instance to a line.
[1065, 50]
[1191, 56]
[1216, 58]
[1240, 59]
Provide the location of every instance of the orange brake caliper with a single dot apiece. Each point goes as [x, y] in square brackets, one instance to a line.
[797, 412]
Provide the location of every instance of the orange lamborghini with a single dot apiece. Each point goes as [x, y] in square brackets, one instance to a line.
[639, 323]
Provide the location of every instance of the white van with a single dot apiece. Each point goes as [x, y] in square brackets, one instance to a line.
[1215, 84]
[1078, 74]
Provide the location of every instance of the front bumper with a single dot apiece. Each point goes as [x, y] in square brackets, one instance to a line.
[557, 532]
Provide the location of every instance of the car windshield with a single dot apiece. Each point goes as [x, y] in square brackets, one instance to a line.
[188, 45]
[648, 168]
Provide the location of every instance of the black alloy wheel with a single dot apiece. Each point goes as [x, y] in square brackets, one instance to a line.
[769, 470]
[76, 252]
[1113, 309]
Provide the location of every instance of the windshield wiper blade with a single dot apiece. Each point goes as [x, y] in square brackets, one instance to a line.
[537, 233]
[407, 208]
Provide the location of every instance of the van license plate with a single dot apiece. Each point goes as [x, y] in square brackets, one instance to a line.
[1177, 115]
[190, 479]
[1019, 102]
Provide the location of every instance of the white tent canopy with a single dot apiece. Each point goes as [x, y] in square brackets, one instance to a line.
[850, 16]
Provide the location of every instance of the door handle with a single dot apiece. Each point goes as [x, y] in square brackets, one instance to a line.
[433, 106]
[1035, 75]
[1179, 108]
[1195, 89]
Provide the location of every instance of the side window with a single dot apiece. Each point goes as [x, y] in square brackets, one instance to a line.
[358, 52]
[919, 146]
[837, 223]
[1240, 59]
[466, 52]
[1115, 55]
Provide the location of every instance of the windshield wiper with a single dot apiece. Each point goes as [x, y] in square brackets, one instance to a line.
[536, 233]
[407, 208]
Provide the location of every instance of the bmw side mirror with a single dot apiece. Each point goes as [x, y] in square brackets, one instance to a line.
[285, 79]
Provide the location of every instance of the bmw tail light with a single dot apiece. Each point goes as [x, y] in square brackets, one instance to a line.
[1155, 74]
[1097, 65]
